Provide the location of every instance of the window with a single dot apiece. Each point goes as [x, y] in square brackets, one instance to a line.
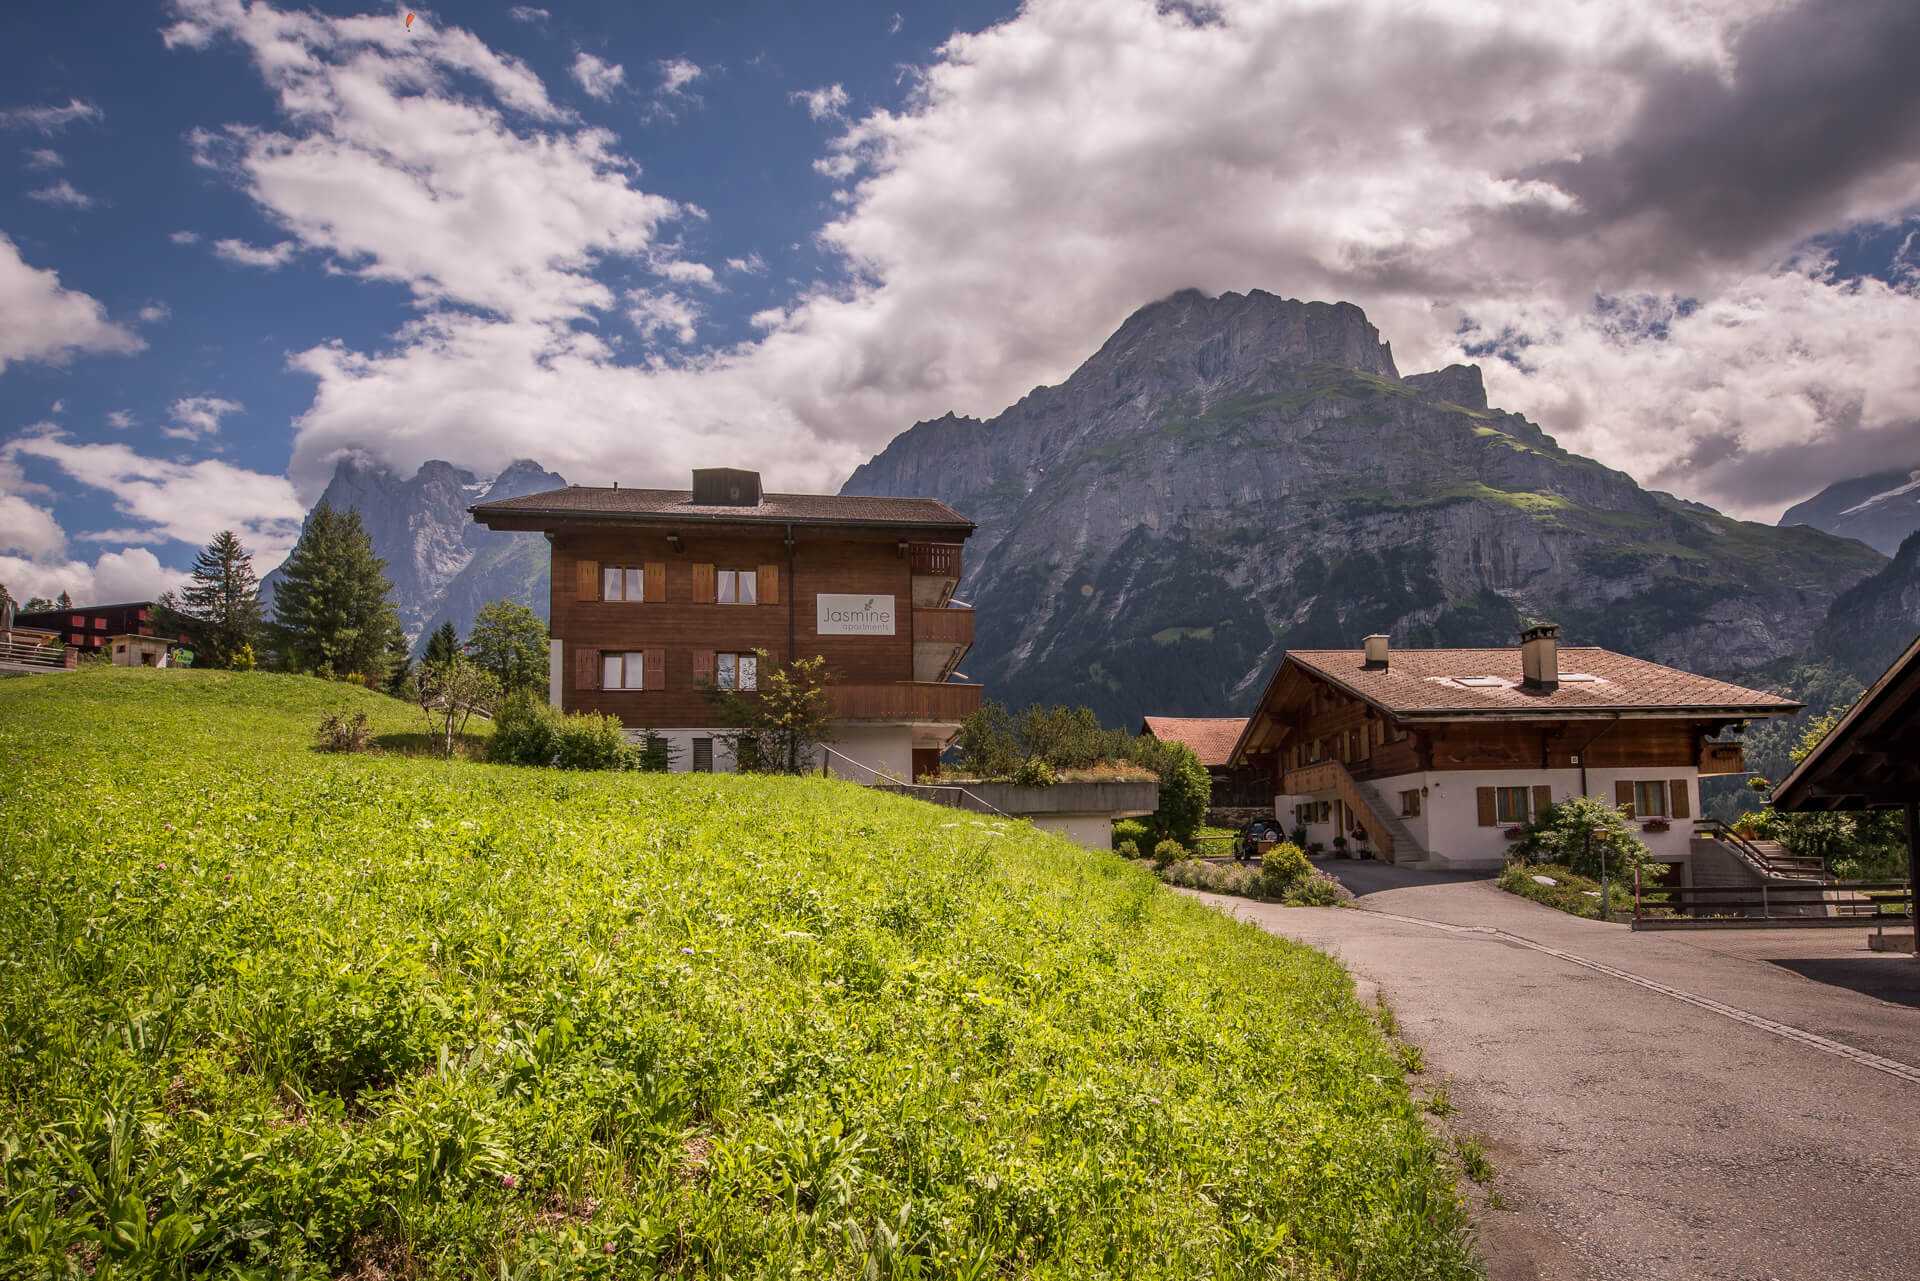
[1410, 804]
[703, 756]
[736, 586]
[1650, 799]
[1326, 811]
[623, 671]
[738, 671]
[1510, 804]
[623, 582]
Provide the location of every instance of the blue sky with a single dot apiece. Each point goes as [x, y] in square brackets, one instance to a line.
[241, 240]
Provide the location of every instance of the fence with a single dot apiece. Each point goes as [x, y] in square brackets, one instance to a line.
[933, 793]
[1809, 905]
[34, 655]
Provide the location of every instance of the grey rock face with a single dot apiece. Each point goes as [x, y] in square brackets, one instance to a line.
[1227, 477]
[1873, 622]
[443, 566]
[1880, 510]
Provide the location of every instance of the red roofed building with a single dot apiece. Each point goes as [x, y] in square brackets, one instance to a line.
[659, 595]
[1211, 738]
[1440, 756]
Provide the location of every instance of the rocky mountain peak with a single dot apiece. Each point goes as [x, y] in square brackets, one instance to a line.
[1457, 384]
[1224, 337]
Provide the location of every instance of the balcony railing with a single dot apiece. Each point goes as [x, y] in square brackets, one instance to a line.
[937, 560]
[35, 651]
[948, 626]
[906, 701]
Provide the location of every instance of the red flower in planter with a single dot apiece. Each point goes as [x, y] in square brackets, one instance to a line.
[1655, 825]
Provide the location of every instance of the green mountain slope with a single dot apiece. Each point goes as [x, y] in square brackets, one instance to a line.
[272, 1012]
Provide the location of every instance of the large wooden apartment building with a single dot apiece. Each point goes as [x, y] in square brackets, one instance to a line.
[1440, 756]
[660, 595]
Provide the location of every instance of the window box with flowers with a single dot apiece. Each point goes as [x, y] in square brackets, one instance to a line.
[1515, 832]
[1655, 825]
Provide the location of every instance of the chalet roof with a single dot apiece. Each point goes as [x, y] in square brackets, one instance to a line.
[1471, 684]
[1872, 756]
[654, 506]
[1210, 737]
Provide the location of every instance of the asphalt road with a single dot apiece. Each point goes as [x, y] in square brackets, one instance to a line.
[1736, 1104]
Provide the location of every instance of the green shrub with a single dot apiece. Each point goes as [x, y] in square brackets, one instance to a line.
[1282, 867]
[1127, 849]
[528, 732]
[1130, 829]
[340, 732]
[1230, 878]
[1578, 833]
[1034, 772]
[1316, 889]
[1167, 853]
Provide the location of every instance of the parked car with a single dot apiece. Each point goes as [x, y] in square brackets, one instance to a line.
[1246, 845]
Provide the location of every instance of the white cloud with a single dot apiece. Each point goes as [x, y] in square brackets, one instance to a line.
[50, 119]
[154, 312]
[404, 179]
[133, 573]
[677, 73]
[599, 78]
[44, 158]
[42, 320]
[752, 265]
[1471, 170]
[652, 312]
[826, 103]
[27, 529]
[269, 257]
[527, 13]
[894, 24]
[62, 193]
[682, 272]
[185, 237]
[198, 416]
[187, 501]
[120, 419]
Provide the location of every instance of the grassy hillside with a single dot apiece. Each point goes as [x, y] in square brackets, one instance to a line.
[273, 1013]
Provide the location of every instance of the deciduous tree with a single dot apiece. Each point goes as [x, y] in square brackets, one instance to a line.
[779, 725]
[509, 640]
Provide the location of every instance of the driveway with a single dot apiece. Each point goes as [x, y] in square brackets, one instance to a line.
[1735, 1104]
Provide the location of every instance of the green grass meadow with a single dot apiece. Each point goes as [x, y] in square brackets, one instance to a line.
[271, 1013]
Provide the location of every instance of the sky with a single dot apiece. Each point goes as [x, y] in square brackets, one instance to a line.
[239, 241]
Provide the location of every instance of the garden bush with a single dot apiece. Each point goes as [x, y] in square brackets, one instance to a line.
[270, 1012]
[1578, 833]
[1282, 867]
[1131, 829]
[527, 731]
[1167, 853]
[1127, 849]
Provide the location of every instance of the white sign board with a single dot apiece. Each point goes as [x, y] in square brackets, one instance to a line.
[843, 614]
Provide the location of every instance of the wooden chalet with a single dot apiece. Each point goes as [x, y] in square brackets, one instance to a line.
[1440, 757]
[659, 595]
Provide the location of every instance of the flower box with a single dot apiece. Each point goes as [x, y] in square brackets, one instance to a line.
[1655, 825]
[1514, 833]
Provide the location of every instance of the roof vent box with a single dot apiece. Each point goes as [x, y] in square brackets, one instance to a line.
[725, 487]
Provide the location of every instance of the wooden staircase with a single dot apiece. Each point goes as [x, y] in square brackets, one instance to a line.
[1388, 835]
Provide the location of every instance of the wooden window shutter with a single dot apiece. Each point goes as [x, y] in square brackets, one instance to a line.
[655, 662]
[589, 585]
[1623, 795]
[1542, 799]
[1483, 796]
[703, 662]
[703, 585]
[769, 584]
[1677, 795]
[586, 669]
[656, 581]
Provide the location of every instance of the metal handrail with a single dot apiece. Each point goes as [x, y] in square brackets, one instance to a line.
[895, 784]
[1747, 850]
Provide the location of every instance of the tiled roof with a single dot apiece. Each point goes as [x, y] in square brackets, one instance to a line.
[1211, 737]
[1425, 682]
[652, 505]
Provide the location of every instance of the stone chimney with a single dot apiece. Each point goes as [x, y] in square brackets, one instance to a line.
[1376, 646]
[1540, 657]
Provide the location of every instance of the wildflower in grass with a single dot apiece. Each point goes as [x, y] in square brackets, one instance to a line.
[509, 1181]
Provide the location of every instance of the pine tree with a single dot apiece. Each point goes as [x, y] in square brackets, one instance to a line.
[510, 641]
[443, 646]
[65, 602]
[219, 609]
[331, 610]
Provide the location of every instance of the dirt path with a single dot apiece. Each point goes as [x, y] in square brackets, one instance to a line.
[1728, 1105]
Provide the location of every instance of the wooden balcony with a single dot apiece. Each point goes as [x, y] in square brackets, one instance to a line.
[27, 649]
[936, 572]
[1722, 758]
[904, 702]
[941, 638]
